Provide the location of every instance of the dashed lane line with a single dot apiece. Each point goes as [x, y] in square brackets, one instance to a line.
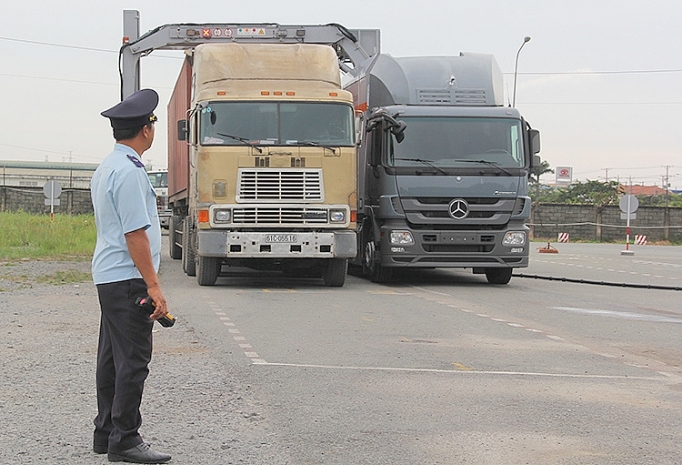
[509, 323]
[236, 334]
[613, 270]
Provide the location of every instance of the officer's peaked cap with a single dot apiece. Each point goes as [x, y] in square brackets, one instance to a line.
[135, 111]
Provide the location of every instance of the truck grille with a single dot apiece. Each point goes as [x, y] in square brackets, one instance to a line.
[484, 213]
[279, 215]
[272, 185]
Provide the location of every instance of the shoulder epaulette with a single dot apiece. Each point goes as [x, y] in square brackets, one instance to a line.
[136, 161]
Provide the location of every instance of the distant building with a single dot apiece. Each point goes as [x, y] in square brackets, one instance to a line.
[36, 174]
[642, 190]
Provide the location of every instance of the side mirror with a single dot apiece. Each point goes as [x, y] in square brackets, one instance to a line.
[536, 161]
[535, 141]
[359, 123]
[183, 129]
[373, 149]
[399, 131]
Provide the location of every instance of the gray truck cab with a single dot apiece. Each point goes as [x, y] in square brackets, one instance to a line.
[443, 168]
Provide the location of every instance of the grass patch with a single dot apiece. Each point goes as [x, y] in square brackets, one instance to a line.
[24, 281]
[64, 277]
[28, 236]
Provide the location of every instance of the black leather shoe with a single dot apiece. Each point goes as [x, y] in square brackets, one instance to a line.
[139, 454]
[100, 448]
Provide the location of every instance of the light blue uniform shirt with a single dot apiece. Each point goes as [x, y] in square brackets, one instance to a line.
[124, 201]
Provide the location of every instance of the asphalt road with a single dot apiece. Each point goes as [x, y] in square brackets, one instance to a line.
[440, 367]
[437, 367]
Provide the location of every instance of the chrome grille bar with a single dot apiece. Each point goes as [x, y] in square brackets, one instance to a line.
[272, 185]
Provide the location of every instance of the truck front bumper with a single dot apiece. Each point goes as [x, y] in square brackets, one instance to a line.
[277, 244]
[454, 249]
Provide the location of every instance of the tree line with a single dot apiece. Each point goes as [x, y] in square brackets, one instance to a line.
[598, 193]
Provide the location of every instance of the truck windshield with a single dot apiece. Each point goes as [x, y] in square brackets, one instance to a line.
[158, 179]
[457, 142]
[272, 123]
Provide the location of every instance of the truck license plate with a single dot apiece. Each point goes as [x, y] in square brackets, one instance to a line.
[280, 238]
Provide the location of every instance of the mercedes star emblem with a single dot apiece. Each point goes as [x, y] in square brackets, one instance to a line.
[458, 209]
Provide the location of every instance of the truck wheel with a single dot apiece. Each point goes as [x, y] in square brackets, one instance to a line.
[188, 264]
[371, 267]
[208, 269]
[175, 249]
[498, 275]
[334, 274]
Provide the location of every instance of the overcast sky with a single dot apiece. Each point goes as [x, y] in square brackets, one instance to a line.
[601, 79]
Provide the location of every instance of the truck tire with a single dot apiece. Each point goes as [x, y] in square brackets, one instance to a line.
[208, 269]
[334, 274]
[189, 265]
[498, 275]
[175, 249]
[371, 266]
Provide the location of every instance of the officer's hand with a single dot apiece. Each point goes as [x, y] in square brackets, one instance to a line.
[160, 301]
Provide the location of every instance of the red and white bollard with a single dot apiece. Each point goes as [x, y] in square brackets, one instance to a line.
[627, 250]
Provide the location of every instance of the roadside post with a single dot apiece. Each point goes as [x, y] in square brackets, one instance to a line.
[628, 205]
[52, 190]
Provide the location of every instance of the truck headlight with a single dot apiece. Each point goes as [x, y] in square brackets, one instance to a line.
[337, 216]
[222, 216]
[514, 238]
[401, 238]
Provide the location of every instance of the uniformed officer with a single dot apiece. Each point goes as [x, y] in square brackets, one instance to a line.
[124, 267]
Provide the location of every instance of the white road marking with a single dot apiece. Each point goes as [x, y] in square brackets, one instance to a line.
[623, 315]
[462, 372]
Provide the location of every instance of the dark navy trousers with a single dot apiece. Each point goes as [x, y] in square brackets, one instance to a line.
[123, 356]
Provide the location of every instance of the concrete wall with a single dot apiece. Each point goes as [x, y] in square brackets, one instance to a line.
[32, 200]
[586, 222]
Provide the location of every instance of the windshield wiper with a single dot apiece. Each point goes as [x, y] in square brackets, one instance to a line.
[426, 162]
[313, 144]
[484, 162]
[242, 140]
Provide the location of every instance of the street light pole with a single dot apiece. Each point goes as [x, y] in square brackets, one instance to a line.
[516, 67]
